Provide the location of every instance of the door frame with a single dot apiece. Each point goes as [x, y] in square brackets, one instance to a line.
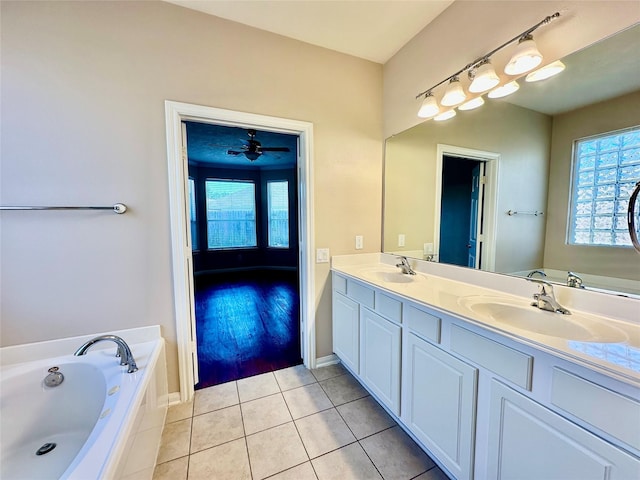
[175, 114]
[491, 161]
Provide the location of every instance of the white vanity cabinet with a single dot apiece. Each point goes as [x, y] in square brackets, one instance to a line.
[380, 357]
[346, 331]
[530, 442]
[484, 405]
[439, 398]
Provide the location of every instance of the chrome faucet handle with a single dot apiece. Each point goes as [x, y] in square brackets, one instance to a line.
[543, 284]
[573, 280]
[546, 299]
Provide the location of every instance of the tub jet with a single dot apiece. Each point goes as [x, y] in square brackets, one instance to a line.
[46, 448]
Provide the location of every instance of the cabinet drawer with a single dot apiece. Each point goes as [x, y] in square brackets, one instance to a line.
[508, 363]
[361, 294]
[339, 284]
[605, 409]
[388, 307]
[422, 323]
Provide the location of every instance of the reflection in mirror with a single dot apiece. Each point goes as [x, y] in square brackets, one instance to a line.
[491, 188]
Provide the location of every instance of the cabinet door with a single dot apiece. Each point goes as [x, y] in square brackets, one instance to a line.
[438, 406]
[380, 358]
[346, 329]
[528, 441]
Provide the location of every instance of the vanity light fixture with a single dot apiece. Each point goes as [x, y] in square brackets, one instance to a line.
[446, 115]
[429, 107]
[483, 76]
[527, 57]
[454, 94]
[504, 90]
[545, 72]
[471, 104]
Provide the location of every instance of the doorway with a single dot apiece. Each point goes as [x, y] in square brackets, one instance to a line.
[461, 212]
[182, 258]
[465, 207]
[243, 207]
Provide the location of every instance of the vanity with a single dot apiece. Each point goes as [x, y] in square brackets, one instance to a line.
[490, 386]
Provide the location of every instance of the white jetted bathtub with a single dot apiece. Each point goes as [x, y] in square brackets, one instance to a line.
[100, 422]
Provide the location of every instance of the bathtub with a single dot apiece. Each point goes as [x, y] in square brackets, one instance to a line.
[105, 423]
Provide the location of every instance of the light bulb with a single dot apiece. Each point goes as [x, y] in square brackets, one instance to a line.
[454, 93]
[485, 79]
[445, 115]
[471, 104]
[504, 90]
[429, 107]
[527, 57]
[545, 72]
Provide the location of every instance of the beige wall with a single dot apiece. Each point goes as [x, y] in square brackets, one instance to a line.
[602, 117]
[469, 29]
[519, 135]
[83, 91]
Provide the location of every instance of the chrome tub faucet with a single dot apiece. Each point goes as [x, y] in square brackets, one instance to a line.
[545, 299]
[573, 280]
[124, 352]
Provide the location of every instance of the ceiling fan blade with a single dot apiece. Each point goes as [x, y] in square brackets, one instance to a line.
[233, 152]
[275, 149]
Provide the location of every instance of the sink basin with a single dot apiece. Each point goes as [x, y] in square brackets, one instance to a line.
[521, 315]
[390, 276]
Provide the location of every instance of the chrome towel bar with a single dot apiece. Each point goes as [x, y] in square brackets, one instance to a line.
[117, 208]
[514, 212]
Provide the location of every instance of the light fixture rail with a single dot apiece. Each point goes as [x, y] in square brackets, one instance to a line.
[478, 61]
[116, 208]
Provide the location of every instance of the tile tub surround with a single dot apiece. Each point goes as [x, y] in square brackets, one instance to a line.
[445, 286]
[318, 424]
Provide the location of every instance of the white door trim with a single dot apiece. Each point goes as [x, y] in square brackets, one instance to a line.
[175, 114]
[492, 161]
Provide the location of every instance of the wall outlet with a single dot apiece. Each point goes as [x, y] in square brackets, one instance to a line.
[322, 255]
[428, 248]
[401, 240]
[359, 242]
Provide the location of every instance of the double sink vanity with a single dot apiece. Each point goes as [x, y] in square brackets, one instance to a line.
[489, 385]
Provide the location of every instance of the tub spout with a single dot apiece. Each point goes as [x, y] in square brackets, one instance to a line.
[124, 352]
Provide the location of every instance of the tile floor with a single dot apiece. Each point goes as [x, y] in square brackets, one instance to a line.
[290, 424]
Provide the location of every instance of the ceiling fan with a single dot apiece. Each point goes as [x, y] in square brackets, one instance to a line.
[252, 149]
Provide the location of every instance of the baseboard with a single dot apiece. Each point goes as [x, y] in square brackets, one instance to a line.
[326, 361]
[174, 399]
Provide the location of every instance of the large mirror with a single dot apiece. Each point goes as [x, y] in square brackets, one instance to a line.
[491, 187]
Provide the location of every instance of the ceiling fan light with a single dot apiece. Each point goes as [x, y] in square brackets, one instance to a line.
[454, 93]
[446, 115]
[485, 79]
[471, 104]
[504, 90]
[429, 107]
[527, 57]
[545, 72]
[252, 156]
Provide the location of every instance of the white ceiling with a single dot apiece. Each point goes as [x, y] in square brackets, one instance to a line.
[373, 30]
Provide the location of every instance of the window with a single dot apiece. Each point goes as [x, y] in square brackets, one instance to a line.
[278, 213]
[606, 168]
[192, 214]
[231, 214]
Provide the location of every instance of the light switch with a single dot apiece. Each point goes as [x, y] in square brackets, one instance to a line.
[428, 248]
[401, 240]
[322, 255]
[359, 242]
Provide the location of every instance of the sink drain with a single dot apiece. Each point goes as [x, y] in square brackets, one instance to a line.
[46, 448]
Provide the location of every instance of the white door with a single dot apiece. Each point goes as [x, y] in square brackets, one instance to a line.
[189, 256]
[346, 328]
[380, 357]
[439, 397]
[529, 442]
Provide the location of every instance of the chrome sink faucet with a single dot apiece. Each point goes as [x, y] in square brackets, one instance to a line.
[124, 352]
[404, 266]
[545, 299]
[574, 280]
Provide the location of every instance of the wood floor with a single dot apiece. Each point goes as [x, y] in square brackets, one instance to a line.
[246, 323]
